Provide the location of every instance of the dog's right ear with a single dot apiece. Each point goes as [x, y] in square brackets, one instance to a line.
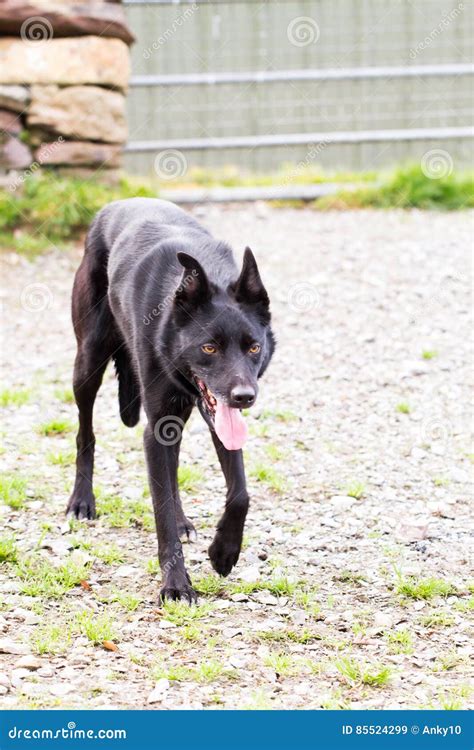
[194, 288]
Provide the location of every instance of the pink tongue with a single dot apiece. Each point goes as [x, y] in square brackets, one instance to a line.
[230, 426]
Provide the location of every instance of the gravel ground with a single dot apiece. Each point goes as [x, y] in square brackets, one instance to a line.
[353, 586]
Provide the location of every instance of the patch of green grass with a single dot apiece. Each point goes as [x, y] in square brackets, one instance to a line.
[355, 489]
[465, 606]
[400, 641]
[25, 243]
[440, 481]
[403, 407]
[40, 578]
[308, 601]
[110, 554]
[209, 585]
[293, 636]
[120, 513]
[363, 673]
[422, 588]
[439, 619]
[65, 395]
[61, 458]
[153, 566]
[205, 671]
[283, 664]
[260, 430]
[14, 396]
[97, 628]
[128, 601]
[59, 208]
[454, 698]
[189, 478]
[55, 427]
[182, 613]
[429, 353]
[277, 585]
[191, 633]
[350, 576]
[407, 187]
[13, 490]
[51, 638]
[335, 701]
[281, 415]
[269, 476]
[449, 660]
[8, 549]
[274, 452]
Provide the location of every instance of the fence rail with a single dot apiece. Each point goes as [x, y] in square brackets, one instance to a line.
[255, 83]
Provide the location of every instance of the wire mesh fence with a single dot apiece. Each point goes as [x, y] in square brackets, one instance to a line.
[253, 82]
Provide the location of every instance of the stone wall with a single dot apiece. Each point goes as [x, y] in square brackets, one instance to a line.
[64, 70]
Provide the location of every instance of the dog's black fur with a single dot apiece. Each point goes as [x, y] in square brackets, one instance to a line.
[153, 288]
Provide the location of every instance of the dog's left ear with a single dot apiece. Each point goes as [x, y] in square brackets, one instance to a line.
[249, 289]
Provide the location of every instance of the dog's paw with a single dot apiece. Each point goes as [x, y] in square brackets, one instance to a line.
[81, 507]
[177, 587]
[182, 593]
[223, 554]
[186, 531]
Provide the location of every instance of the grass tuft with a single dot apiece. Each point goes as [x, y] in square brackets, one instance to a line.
[13, 491]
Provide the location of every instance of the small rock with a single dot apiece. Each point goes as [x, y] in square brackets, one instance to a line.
[250, 574]
[45, 672]
[4, 680]
[239, 598]
[8, 646]
[342, 502]
[3, 690]
[29, 662]
[61, 688]
[166, 624]
[159, 691]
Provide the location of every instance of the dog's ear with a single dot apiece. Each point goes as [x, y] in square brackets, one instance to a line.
[194, 288]
[249, 289]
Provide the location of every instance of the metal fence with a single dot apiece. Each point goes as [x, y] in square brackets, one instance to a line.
[352, 84]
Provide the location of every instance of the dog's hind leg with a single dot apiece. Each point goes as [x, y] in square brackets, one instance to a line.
[97, 341]
[89, 369]
[225, 548]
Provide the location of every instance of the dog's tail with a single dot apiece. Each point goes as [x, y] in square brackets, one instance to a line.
[129, 389]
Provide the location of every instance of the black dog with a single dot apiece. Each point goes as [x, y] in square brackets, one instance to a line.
[161, 297]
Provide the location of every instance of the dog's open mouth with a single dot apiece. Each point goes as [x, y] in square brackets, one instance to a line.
[229, 423]
[208, 398]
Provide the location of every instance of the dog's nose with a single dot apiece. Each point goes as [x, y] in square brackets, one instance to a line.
[242, 396]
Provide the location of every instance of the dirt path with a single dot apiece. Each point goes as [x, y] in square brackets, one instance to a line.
[337, 601]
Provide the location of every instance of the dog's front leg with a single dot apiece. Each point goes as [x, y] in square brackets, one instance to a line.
[162, 468]
[225, 549]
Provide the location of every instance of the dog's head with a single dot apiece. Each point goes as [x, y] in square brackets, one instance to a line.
[223, 344]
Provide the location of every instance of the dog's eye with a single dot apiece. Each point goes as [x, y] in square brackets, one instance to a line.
[209, 349]
[254, 349]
